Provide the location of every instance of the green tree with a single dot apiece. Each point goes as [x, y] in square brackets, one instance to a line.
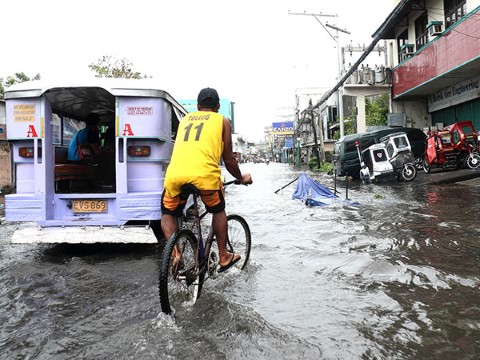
[111, 67]
[376, 110]
[11, 80]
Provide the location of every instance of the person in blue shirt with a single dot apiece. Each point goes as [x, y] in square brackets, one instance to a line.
[86, 136]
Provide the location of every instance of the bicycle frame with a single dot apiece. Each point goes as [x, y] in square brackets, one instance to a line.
[204, 246]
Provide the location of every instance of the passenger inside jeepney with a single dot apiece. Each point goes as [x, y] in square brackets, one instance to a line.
[87, 137]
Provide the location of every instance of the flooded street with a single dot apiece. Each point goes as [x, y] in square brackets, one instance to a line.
[394, 277]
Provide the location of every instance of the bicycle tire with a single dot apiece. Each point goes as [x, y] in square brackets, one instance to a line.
[179, 285]
[239, 239]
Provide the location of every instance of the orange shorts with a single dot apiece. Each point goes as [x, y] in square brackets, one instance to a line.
[214, 201]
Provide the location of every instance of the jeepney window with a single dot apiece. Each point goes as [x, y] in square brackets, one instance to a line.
[467, 130]
[390, 150]
[63, 129]
[70, 127]
[401, 142]
[446, 139]
[56, 130]
[379, 155]
[456, 136]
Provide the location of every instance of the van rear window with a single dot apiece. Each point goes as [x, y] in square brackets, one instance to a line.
[350, 146]
[365, 143]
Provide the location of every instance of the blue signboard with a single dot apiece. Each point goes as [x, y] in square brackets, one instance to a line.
[283, 128]
[289, 143]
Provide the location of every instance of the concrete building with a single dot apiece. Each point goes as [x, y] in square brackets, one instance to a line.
[435, 59]
[433, 64]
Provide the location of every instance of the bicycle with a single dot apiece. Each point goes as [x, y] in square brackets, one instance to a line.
[188, 261]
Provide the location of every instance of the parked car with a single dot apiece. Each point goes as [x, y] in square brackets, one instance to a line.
[345, 158]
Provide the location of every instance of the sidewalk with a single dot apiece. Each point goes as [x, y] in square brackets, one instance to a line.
[440, 176]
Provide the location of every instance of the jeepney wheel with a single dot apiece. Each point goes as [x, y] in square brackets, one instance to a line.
[426, 166]
[409, 172]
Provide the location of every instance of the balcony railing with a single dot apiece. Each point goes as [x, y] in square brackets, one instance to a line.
[422, 40]
[455, 14]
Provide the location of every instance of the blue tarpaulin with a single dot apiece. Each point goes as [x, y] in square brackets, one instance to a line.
[311, 192]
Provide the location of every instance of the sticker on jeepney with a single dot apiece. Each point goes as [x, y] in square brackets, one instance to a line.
[24, 113]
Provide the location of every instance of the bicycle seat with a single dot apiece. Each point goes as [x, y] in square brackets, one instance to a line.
[189, 189]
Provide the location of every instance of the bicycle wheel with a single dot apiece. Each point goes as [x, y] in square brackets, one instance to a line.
[179, 282]
[473, 161]
[239, 239]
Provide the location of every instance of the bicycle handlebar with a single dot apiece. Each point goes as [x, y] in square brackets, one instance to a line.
[236, 182]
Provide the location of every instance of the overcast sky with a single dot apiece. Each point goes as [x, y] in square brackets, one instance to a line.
[252, 51]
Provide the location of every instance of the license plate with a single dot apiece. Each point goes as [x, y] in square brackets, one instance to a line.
[90, 206]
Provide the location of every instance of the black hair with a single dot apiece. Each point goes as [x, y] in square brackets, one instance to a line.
[92, 119]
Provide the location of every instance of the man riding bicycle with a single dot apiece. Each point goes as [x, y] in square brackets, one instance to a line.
[204, 137]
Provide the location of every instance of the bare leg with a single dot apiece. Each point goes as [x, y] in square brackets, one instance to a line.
[220, 228]
[169, 226]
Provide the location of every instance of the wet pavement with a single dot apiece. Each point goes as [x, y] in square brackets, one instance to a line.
[395, 276]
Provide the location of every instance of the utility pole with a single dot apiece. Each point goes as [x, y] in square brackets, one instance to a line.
[340, 89]
[339, 58]
[317, 154]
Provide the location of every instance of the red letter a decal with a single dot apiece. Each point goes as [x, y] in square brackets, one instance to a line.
[127, 130]
[31, 131]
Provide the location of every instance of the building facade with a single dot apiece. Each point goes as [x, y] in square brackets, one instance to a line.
[435, 60]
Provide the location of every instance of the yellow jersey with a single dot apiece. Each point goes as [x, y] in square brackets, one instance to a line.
[196, 154]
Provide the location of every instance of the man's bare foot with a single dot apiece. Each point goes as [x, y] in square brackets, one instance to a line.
[232, 260]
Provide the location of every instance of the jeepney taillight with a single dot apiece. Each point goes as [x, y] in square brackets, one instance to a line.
[139, 150]
[27, 151]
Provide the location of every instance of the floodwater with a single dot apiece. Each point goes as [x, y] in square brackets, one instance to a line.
[395, 276]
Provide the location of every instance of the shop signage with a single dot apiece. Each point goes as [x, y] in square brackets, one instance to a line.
[283, 128]
[455, 94]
